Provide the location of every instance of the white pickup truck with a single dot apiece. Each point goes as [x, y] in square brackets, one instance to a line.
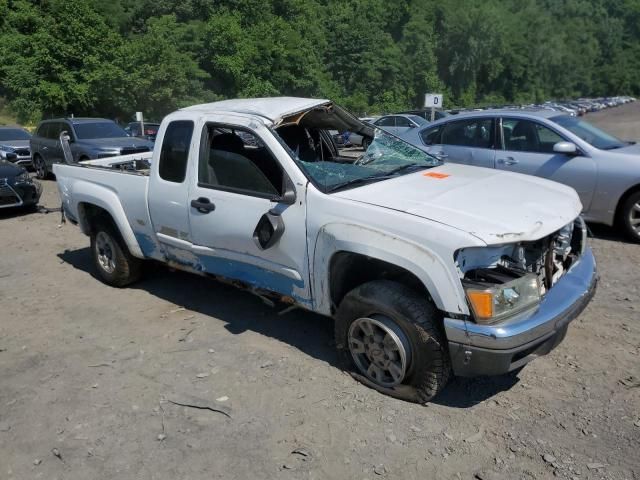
[428, 269]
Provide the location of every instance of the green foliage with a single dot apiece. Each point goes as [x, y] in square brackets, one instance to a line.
[92, 57]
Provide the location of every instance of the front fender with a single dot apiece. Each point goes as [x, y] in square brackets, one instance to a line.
[438, 278]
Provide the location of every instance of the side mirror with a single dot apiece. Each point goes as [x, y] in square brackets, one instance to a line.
[289, 196]
[568, 148]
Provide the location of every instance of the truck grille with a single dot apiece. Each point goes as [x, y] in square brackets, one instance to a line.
[22, 152]
[133, 150]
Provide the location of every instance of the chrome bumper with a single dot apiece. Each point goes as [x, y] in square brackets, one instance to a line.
[494, 349]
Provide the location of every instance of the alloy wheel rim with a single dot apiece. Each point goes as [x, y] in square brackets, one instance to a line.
[106, 252]
[40, 167]
[634, 218]
[380, 349]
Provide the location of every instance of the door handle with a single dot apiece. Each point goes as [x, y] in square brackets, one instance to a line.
[203, 205]
[508, 161]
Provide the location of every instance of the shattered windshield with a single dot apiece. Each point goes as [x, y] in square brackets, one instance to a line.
[335, 159]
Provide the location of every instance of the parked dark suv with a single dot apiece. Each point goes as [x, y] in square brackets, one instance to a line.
[14, 145]
[90, 138]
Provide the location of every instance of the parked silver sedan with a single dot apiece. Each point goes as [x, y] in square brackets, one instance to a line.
[604, 170]
[399, 123]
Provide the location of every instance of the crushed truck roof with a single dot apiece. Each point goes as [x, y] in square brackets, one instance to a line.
[272, 108]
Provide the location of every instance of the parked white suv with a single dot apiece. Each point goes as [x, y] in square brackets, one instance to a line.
[427, 269]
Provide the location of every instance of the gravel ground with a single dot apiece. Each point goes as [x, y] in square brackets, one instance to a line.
[94, 380]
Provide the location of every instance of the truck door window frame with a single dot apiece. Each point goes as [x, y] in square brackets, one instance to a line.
[174, 175]
[205, 141]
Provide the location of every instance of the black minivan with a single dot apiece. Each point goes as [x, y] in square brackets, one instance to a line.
[89, 139]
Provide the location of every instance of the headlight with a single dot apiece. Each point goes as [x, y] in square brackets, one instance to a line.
[23, 178]
[492, 304]
[7, 148]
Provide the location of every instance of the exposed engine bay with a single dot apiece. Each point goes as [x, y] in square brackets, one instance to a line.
[548, 259]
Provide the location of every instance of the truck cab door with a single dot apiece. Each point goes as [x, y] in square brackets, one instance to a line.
[247, 215]
[168, 197]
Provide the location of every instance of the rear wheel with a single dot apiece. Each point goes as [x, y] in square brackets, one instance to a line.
[113, 262]
[394, 339]
[40, 167]
[630, 216]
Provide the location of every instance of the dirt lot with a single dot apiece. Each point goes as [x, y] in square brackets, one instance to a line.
[88, 374]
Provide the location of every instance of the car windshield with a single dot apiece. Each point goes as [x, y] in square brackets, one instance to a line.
[7, 134]
[418, 119]
[93, 130]
[386, 156]
[589, 133]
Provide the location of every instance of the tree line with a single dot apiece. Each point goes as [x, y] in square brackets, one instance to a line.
[91, 57]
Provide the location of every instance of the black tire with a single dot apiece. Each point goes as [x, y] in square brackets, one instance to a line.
[113, 262]
[365, 143]
[428, 366]
[630, 213]
[40, 166]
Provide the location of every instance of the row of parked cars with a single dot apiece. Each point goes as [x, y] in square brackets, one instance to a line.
[547, 140]
[89, 138]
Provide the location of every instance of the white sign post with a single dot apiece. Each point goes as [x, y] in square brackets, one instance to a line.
[433, 101]
[140, 118]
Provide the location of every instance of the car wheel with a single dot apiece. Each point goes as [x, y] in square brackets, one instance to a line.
[40, 167]
[365, 143]
[392, 340]
[630, 217]
[111, 257]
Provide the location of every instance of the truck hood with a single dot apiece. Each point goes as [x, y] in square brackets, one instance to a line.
[494, 206]
[16, 143]
[8, 170]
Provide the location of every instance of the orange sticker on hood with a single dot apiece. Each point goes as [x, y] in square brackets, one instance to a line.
[437, 175]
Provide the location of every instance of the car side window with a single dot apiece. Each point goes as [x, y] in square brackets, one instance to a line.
[522, 135]
[401, 122]
[236, 160]
[475, 133]
[432, 136]
[42, 130]
[385, 122]
[53, 132]
[174, 154]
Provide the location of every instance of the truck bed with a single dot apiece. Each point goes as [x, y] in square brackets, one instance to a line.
[115, 185]
[136, 163]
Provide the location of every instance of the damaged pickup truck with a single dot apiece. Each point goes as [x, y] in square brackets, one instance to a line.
[428, 269]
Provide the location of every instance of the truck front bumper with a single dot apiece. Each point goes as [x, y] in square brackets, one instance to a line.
[496, 349]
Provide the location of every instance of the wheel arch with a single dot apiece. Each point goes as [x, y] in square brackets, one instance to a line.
[91, 208]
[623, 198]
[347, 256]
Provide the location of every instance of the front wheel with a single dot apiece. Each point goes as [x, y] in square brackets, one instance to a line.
[394, 339]
[40, 167]
[630, 217]
[112, 260]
